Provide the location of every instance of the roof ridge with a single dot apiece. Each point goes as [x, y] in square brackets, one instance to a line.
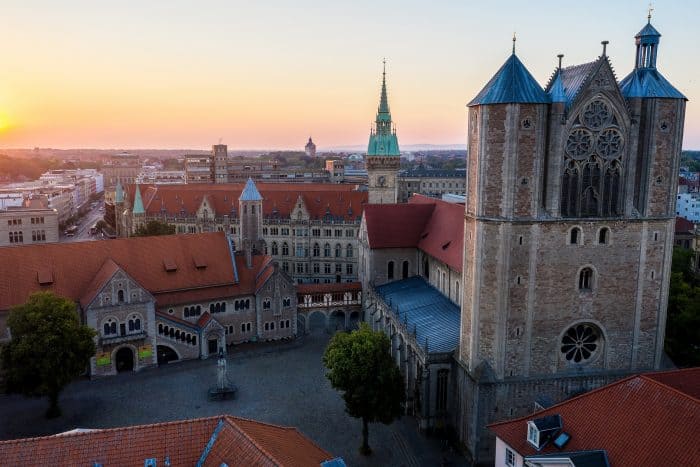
[566, 401]
[671, 388]
[72, 433]
[231, 421]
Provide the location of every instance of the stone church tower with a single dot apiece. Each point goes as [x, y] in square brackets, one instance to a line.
[383, 155]
[251, 216]
[569, 224]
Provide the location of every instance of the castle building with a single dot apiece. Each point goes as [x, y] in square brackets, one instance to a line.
[310, 229]
[568, 234]
[310, 148]
[156, 299]
[566, 245]
[383, 156]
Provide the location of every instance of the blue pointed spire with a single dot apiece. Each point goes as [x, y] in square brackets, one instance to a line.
[119, 193]
[138, 202]
[250, 192]
[512, 84]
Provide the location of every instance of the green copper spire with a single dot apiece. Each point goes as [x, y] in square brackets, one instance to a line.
[119, 193]
[382, 138]
[138, 202]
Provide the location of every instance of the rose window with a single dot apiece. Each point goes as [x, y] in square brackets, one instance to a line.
[610, 143]
[596, 115]
[580, 143]
[580, 343]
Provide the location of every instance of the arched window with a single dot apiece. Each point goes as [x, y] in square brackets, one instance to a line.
[120, 296]
[338, 250]
[404, 270]
[247, 303]
[113, 327]
[211, 308]
[326, 250]
[426, 269]
[110, 327]
[390, 270]
[317, 250]
[575, 236]
[285, 249]
[199, 310]
[603, 236]
[348, 251]
[223, 307]
[160, 328]
[275, 250]
[585, 279]
[592, 163]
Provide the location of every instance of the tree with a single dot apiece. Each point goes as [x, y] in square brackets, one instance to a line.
[360, 364]
[48, 349]
[682, 341]
[152, 228]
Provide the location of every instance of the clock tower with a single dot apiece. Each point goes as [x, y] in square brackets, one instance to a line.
[383, 155]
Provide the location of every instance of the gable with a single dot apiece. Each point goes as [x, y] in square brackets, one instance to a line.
[599, 80]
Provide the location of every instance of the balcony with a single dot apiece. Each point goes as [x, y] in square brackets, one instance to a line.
[118, 339]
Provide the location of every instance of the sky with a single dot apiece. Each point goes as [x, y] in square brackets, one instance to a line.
[269, 74]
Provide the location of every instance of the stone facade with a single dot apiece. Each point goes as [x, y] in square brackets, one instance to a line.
[567, 246]
[430, 182]
[28, 225]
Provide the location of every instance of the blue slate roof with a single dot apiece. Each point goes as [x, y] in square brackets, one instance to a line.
[250, 192]
[435, 317]
[137, 208]
[648, 30]
[569, 81]
[648, 82]
[511, 84]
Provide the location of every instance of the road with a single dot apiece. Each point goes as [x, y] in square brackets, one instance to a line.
[83, 233]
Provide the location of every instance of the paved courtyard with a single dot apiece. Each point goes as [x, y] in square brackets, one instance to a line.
[281, 383]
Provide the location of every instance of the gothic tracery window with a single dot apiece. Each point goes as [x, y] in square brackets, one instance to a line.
[592, 169]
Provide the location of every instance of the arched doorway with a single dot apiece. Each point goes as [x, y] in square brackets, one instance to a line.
[354, 320]
[166, 354]
[124, 359]
[338, 320]
[317, 322]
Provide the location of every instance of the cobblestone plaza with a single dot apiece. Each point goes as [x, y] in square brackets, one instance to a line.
[281, 383]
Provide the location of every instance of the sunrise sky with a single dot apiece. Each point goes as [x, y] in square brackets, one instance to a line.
[267, 74]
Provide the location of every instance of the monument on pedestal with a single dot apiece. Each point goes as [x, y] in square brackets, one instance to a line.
[223, 389]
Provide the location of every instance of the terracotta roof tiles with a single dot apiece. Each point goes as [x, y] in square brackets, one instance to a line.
[650, 419]
[235, 441]
[433, 225]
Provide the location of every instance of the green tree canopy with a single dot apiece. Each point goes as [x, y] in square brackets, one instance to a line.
[48, 349]
[152, 228]
[682, 341]
[361, 366]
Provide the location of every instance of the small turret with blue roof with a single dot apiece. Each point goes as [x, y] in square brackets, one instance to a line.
[138, 208]
[646, 81]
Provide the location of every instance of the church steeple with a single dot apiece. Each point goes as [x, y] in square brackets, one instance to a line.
[382, 138]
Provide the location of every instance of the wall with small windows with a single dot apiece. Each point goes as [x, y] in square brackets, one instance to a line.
[25, 226]
[123, 314]
[277, 305]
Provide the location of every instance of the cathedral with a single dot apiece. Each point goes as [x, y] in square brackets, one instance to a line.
[566, 243]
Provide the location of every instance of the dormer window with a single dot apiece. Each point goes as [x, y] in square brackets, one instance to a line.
[120, 296]
[533, 435]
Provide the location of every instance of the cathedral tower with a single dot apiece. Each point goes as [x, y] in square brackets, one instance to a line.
[383, 155]
[569, 223]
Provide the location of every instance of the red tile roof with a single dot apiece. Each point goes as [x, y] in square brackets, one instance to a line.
[329, 288]
[443, 236]
[236, 441]
[684, 225]
[279, 199]
[686, 381]
[639, 420]
[433, 225]
[78, 269]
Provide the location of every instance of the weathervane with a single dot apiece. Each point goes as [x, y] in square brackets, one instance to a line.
[651, 8]
[514, 39]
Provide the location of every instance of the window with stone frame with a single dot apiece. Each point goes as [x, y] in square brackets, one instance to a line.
[580, 343]
[591, 184]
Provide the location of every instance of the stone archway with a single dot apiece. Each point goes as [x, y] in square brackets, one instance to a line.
[354, 321]
[124, 359]
[337, 320]
[317, 322]
[166, 354]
